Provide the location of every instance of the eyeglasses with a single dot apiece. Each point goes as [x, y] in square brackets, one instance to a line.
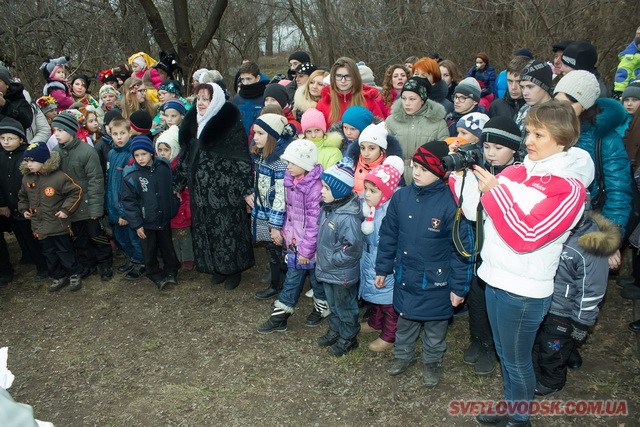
[343, 77]
[459, 98]
[141, 91]
[9, 139]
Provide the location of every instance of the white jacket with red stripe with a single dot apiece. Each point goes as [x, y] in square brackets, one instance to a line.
[529, 216]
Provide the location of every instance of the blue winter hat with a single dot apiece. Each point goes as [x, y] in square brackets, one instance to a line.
[38, 152]
[358, 117]
[141, 142]
[339, 178]
[174, 104]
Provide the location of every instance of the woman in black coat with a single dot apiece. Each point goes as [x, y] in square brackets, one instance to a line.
[215, 165]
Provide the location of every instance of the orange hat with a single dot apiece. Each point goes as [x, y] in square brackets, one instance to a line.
[456, 140]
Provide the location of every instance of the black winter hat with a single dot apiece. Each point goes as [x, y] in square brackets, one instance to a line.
[279, 93]
[12, 126]
[538, 73]
[110, 116]
[306, 68]
[561, 45]
[502, 130]
[300, 55]
[580, 55]
[419, 85]
[141, 121]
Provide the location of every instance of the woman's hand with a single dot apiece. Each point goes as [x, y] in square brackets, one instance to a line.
[249, 200]
[456, 300]
[276, 236]
[486, 181]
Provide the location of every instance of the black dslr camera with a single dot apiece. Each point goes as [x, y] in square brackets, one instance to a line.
[466, 156]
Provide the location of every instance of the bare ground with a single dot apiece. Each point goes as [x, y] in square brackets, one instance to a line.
[124, 354]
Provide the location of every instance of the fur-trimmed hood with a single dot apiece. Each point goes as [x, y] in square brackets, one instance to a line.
[393, 149]
[431, 110]
[50, 166]
[604, 242]
[331, 139]
[302, 103]
[611, 116]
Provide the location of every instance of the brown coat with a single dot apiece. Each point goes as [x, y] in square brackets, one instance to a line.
[45, 193]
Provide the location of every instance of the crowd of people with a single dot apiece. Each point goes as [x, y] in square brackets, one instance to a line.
[510, 195]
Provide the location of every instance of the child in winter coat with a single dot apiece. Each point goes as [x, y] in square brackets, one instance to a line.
[13, 142]
[379, 184]
[354, 120]
[126, 238]
[143, 68]
[168, 148]
[300, 231]
[339, 250]
[374, 145]
[470, 126]
[579, 286]
[271, 136]
[314, 128]
[57, 87]
[81, 162]
[430, 275]
[48, 197]
[500, 139]
[149, 204]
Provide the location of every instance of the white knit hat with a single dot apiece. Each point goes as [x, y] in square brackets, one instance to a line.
[375, 134]
[301, 152]
[273, 124]
[170, 137]
[581, 85]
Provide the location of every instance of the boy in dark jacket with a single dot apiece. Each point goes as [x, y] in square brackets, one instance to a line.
[81, 162]
[13, 141]
[431, 277]
[48, 197]
[149, 205]
[579, 287]
[339, 248]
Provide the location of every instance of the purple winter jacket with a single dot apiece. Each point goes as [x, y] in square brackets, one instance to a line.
[300, 228]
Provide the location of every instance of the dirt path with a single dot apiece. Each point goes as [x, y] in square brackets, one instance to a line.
[123, 354]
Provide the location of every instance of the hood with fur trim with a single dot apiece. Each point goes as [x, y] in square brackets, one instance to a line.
[611, 116]
[302, 103]
[604, 242]
[393, 149]
[51, 165]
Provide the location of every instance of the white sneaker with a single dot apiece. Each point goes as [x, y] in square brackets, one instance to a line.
[309, 293]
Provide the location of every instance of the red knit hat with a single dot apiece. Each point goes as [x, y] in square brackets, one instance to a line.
[430, 156]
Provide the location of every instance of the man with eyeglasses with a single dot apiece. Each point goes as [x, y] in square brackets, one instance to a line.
[465, 100]
[12, 101]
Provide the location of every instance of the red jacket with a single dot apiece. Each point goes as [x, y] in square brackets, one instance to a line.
[370, 94]
[183, 217]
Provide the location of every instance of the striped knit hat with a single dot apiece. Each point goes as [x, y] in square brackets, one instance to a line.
[430, 156]
[339, 178]
[503, 131]
[67, 122]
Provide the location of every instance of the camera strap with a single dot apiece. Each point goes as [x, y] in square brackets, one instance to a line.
[477, 245]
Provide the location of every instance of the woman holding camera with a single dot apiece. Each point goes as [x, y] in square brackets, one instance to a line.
[530, 210]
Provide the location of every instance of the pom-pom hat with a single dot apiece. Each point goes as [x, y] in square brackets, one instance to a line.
[386, 177]
[339, 178]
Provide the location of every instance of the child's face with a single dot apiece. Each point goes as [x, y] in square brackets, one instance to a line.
[248, 79]
[631, 104]
[143, 157]
[411, 102]
[120, 135]
[33, 166]
[370, 151]
[313, 133]
[496, 154]
[270, 100]
[108, 101]
[532, 93]
[260, 136]
[135, 67]
[172, 117]
[372, 194]
[92, 123]
[350, 132]
[164, 151]
[50, 115]
[327, 196]
[62, 136]
[10, 141]
[60, 74]
[140, 94]
[344, 80]
[164, 95]
[316, 85]
[422, 176]
[467, 136]
[295, 170]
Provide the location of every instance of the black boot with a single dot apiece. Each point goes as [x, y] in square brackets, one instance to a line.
[330, 338]
[343, 346]
[232, 281]
[575, 360]
[275, 286]
[136, 272]
[278, 320]
[486, 362]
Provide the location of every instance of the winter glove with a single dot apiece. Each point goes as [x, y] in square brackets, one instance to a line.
[616, 95]
[579, 333]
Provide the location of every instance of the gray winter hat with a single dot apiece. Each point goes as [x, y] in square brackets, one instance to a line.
[469, 87]
[632, 90]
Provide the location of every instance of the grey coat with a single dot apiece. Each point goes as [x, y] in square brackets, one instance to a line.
[340, 242]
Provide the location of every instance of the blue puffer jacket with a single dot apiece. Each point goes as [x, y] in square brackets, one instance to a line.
[118, 159]
[340, 241]
[616, 166]
[368, 291]
[415, 241]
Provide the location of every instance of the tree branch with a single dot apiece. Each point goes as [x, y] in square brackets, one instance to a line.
[157, 25]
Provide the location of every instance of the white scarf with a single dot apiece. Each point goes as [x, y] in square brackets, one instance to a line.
[217, 101]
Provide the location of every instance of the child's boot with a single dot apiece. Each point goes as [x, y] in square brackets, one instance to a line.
[432, 374]
[75, 282]
[58, 284]
[343, 346]
[379, 345]
[278, 320]
[320, 311]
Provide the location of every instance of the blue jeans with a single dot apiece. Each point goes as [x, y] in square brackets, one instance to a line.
[293, 284]
[129, 242]
[515, 321]
[342, 300]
